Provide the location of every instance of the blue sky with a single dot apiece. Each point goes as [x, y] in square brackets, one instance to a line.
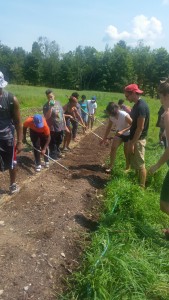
[85, 22]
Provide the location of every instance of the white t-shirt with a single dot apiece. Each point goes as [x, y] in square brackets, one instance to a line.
[120, 123]
[91, 107]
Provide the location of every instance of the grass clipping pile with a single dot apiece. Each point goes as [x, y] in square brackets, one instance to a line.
[41, 226]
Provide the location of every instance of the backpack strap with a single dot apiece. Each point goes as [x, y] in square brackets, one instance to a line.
[11, 103]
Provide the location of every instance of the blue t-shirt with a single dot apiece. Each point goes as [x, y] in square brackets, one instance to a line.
[83, 105]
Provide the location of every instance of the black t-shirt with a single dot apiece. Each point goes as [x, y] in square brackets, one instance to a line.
[140, 109]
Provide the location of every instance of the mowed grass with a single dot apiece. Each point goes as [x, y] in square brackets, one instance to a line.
[128, 257]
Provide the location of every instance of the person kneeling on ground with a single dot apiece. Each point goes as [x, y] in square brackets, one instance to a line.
[40, 138]
[122, 122]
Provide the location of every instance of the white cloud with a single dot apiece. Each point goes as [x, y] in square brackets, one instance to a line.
[146, 29]
[113, 33]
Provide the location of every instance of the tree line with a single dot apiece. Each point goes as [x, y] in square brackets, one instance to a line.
[85, 68]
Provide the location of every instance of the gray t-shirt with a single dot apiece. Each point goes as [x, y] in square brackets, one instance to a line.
[56, 121]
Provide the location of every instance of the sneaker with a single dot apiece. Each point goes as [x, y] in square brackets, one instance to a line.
[14, 189]
[60, 155]
[108, 171]
[38, 168]
[65, 149]
[46, 164]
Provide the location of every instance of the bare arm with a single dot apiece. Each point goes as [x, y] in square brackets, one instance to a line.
[165, 155]
[108, 128]
[24, 134]
[140, 127]
[46, 145]
[48, 113]
[17, 124]
[77, 115]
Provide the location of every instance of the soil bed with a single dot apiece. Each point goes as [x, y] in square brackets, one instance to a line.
[42, 226]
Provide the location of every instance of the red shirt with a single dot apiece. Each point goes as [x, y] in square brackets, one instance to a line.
[30, 124]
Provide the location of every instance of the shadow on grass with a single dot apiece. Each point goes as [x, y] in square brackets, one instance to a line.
[87, 223]
[146, 231]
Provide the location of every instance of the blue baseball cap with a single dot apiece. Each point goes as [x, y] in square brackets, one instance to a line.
[94, 98]
[38, 121]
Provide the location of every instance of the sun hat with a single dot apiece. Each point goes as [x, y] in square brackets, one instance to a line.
[3, 83]
[94, 98]
[133, 88]
[38, 121]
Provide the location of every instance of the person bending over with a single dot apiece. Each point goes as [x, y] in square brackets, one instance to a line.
[40, 138]
[121, 121]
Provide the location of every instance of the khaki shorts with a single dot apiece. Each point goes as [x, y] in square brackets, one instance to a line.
[137, 160]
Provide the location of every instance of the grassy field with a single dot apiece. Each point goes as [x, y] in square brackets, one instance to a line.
[128, 257]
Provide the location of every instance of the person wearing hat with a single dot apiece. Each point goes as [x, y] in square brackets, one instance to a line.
[10, 121]
[138, 131]
[40, 138]
[92, 106]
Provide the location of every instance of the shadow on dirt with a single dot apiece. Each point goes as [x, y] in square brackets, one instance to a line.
[26, 163]
[4, 191]
[85, 222]
[95, 181]
[95, 168]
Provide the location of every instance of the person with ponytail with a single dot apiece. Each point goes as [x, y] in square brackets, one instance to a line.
[121, 122]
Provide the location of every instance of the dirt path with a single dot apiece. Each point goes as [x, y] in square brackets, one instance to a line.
[41, 226]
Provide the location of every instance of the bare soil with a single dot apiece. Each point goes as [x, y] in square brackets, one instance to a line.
[42, 226]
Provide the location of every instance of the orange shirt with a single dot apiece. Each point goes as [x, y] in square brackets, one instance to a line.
[30, 124]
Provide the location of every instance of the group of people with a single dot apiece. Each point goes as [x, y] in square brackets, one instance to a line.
[132, 128]
[59, 124]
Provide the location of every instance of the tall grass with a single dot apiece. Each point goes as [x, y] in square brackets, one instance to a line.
[128, 257]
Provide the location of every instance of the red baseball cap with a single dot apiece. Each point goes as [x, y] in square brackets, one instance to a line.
[133, 88]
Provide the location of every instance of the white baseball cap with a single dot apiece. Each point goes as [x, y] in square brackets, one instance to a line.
[3, 82]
